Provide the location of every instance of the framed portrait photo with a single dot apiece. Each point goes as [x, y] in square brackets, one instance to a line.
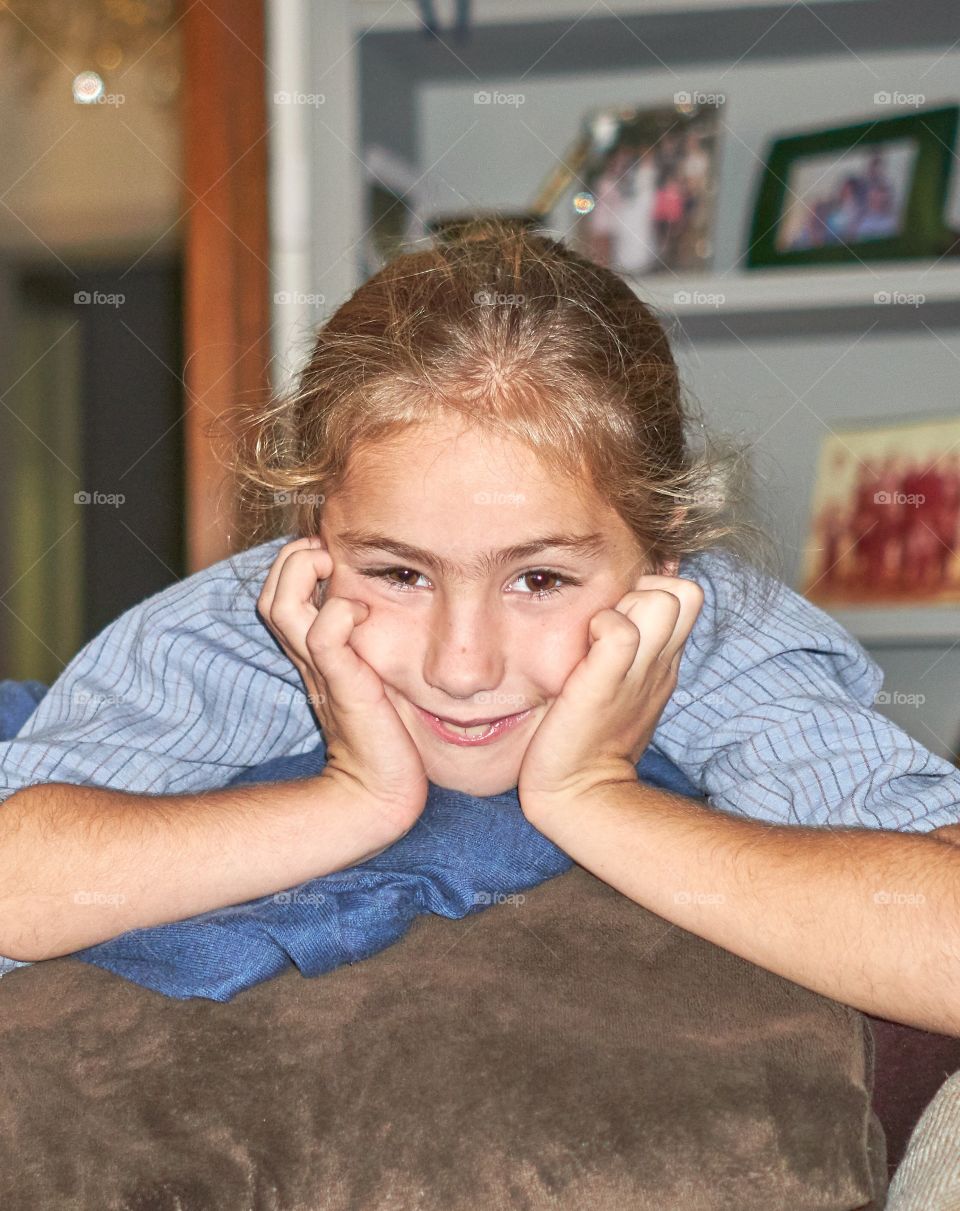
[873, 191]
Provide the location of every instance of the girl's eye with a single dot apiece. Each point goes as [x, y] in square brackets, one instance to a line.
[540, 594]
[541, 574]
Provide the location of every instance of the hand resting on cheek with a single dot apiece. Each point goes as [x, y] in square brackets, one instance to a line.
[599, 726]
[368, 747]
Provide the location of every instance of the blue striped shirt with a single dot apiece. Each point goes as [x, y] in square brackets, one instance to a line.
[773, 715]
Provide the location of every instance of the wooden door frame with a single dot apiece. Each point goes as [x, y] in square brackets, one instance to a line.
[227, 310]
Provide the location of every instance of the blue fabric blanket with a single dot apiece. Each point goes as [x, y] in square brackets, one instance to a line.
[463, 854]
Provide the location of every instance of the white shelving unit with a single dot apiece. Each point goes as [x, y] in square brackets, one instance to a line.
[879, 626]
[319, 217]
[890, 284]
[388, 14]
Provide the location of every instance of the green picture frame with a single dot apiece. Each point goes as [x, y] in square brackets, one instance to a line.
[810, 179]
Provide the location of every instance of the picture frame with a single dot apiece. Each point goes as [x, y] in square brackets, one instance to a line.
[874, 190]
[883, 545]
[637, 191]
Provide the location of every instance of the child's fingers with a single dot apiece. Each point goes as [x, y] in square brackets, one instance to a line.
[691, 602]
[655, 613]
[345, 674]
[292, 611]
[688, 594]
[269, 588]
[614, 643]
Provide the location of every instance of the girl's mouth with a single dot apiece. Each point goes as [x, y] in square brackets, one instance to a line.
[470, 738]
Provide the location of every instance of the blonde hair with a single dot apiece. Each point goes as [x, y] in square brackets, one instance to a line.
[524, 337]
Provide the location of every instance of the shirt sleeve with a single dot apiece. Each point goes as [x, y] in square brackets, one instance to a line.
[179, 693]
[773, 715]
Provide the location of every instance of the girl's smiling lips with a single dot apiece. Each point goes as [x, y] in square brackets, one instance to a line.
[474, 722]
[497, 727]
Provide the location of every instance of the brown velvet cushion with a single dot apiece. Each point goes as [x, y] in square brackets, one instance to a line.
[570, 1051]
[910, 1065]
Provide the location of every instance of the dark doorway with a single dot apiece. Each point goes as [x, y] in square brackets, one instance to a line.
[94, 495]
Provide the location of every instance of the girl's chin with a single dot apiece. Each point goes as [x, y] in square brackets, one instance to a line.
[480, 785]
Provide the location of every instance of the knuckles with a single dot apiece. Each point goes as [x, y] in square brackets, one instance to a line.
[297, 544]
[673, 598]
[653, 599]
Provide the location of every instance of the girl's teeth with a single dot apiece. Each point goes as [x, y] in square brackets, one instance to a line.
[481, 730]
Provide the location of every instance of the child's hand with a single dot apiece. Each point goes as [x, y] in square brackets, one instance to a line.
[368, 747]
[598, 727]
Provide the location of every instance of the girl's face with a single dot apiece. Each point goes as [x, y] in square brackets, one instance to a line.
[451, 632]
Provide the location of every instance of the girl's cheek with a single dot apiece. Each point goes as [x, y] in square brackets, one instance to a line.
[553, 676]
[562, 648]
[542, 654]
[383, 638]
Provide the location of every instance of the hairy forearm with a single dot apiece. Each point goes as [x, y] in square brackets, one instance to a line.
[81, 864]
[867, 917]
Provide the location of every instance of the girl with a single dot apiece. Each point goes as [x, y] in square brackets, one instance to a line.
[505, 563]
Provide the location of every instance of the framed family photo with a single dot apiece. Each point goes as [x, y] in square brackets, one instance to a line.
[884, 526]
[640, 191]
[871, 191]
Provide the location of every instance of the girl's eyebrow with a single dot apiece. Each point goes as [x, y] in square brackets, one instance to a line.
[586, 546]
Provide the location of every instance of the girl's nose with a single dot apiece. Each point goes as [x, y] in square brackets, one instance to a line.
[465, 650]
